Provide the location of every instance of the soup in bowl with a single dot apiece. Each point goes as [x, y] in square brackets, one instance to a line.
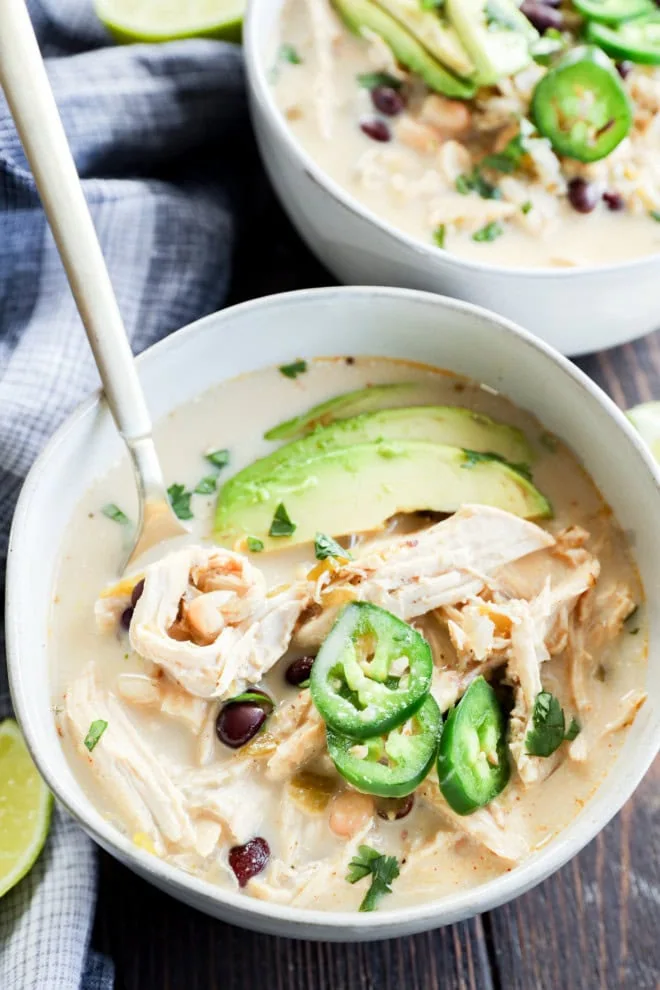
[393, 675]
[474, 149]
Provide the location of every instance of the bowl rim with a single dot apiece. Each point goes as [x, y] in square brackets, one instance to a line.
[307, 922]
[263, 92]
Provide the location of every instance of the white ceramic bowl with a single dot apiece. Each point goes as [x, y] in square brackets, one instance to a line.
[271, 331]
[576, 310]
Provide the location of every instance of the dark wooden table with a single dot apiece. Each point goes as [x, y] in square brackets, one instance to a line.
[595, 925]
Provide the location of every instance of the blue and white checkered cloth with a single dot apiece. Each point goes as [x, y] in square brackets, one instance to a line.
[152, 130]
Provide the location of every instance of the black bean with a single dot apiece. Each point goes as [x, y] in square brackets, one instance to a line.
[614, 201]
[388, 100]
[542, 15]
[136, 593]
[248, 860]
[376, 129]
[583, 196]
[394, 809]
[126, 617]
[238, 722]
[299, 670]
[624, 68]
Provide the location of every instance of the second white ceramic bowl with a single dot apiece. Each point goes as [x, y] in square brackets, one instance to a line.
[273, 331]
[575, 309]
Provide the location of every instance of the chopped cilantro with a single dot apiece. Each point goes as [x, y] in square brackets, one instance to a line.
[288, 53]
[180, 501]
[325, 546]
[549, 726]
[489, 233]
[94, 733]
[509, 158]
[370, 80]
[526, 207]
[254, 545]
[439, 235]
[431, 4]
[218, 458]
[655, 215]
[113, 512]
[573, 730]
[206, 485]
[294, 369]
[474, 182]
[382, 869]
[281, 524]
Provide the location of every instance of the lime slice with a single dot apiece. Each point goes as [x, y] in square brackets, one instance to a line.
[25, 807]
[646, 419]
[166, 20]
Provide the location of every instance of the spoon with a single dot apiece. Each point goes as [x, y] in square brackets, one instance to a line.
[31, 101]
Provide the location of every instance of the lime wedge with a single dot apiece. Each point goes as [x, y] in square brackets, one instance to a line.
[646, 420]
[166, 20]
[25, 807]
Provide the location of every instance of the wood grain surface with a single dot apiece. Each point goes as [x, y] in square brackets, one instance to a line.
[595, 925]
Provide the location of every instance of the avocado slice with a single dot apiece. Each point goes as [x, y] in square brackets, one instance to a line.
[360, 14]
[497, 36]
[449, 425]
[433, 32]
[341, 407]
[355, 489]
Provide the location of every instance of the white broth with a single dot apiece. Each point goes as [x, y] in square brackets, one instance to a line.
[435, 854]
[410, 178]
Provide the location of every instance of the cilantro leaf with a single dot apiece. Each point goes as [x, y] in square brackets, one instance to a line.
[294, 369]
[655, 215]
[573, 730]
[509, 158]
[325, 546]
[254, 545]
[370, 80]
[526, 207]
[180, 501]
[206, 485]
[218, 458]
[549, 726]
[488, 233]
[113, 512]
[94, 733]
[288, 53]
[474, 181]
[382, 869]
[439, 235]
[281, 524]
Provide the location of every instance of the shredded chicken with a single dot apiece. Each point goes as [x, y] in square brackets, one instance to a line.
[205, 618]
[480, 826]
[131, 775]
[581, 747]
[299, 734]
[598, 619]
[228, 794]
[442, 565]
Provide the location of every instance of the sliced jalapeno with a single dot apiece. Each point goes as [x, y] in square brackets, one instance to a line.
[582, 106]
[391, 765]
[614, 11]
[637, 40]
[473, 764]
[371, 673]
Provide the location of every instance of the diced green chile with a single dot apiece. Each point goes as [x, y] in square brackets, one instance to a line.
[582, 106]
[637, 40]
[473, 764]
[396, 763]
[614, 11]
[352, 682]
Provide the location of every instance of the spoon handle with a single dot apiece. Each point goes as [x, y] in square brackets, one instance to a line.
[30, 98]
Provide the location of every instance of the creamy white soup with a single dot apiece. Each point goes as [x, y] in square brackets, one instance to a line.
[362, 718]
[490, 131]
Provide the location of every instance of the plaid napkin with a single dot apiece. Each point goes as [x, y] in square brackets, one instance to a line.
[150, 128]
